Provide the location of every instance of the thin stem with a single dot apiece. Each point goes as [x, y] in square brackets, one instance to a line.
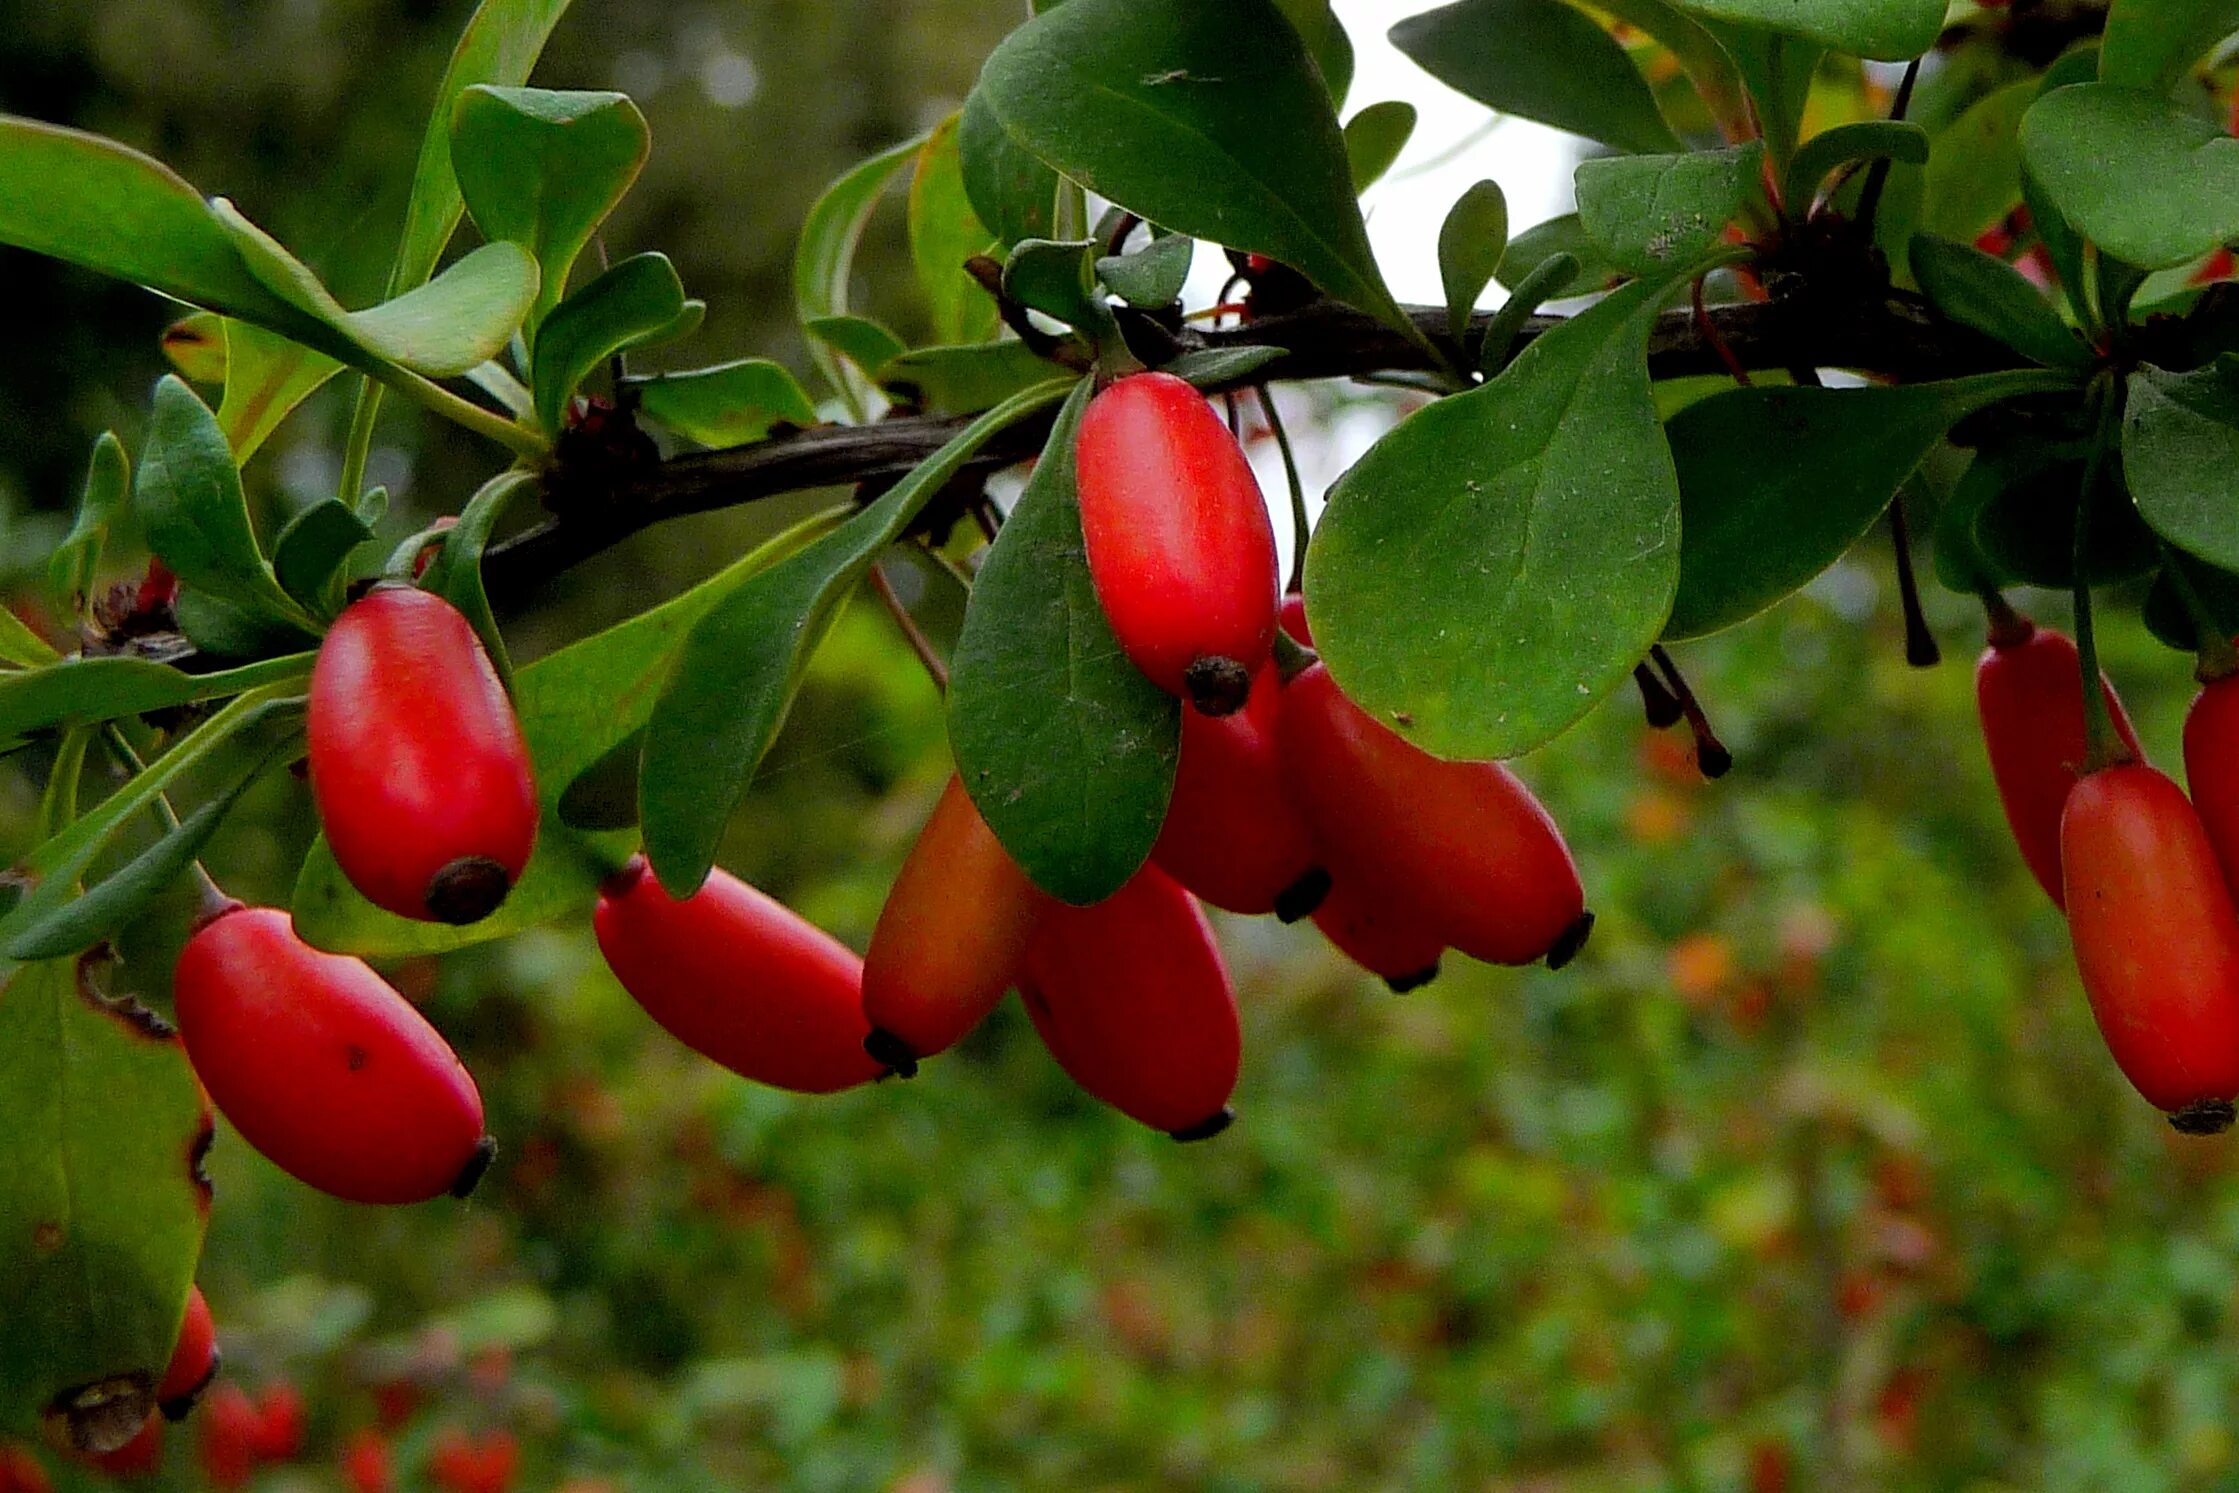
[2008, 628]
[1300, 530]
[515, 437]
[1659, 704]
[210, 898]
[1711, 756]
[1869, 196]
[2218, 659]
[919, 643]
[1920, 642]
[1711, 335]
[360, 444]
[2102, 747]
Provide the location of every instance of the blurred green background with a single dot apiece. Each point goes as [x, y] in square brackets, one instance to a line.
[1811, 1172]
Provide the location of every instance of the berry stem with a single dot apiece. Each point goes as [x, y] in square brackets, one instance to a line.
[1877, 177]
[1920, 642]
[919, 643]
[1301, 531]
[1711, 755]
[1656, 702]
[2008, 628]
[2103, 747]
[2218, 659]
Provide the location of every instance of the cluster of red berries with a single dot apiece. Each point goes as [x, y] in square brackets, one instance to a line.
[2144, 873]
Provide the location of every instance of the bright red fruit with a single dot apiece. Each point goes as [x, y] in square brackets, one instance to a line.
[1178, 539]
[740, 978]
[1293, 618]
[417, 764]
[228, 1448]
[280, 1423]
[20, 1472]
[2029, 692]
[1381, 934]
[323, 1067]
[950, 938]
[137, 1458]
[194, 1360]
[2156, 940]
[1463, 843]
[1133, 1000]
[366, 1464]
[486, 1464]
[1231, 835]
[2212, 768]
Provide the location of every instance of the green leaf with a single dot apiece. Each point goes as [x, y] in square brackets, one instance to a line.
[1152, 276]
[826, 257]
[1470, 244]
[76, 691]
[2180, 456]
[1214, 368]
[944, 232]
[102, 205]
[863, 342]
[188, 492]
[455, 574]
[53, 870]
[105, 1212]
[1973, 175]
[1776, 72]
[2150, 44]
[309, 554]
[2062, 244]
[542, 169]
[221, 629]
[1648, 213]
[734, 679]
[1209, 119]
[462, 317]
[1057, 278]
[122, 897]
[1503, 558]
[20, 646]
[2012, 517]
[266, 377]
[1012, 192]
[1548, 279]
[575, 707]
[500, 45]
[1539, 60]
[1979, 291]
[731, 404]
[2168, 618]
[1755, 529]
[1824, 153]
[76, 560]
[2147, 180]
[195, 345]
[1326, 42]
[964, 380]
[1066, 748]
[1565, 235]
[1374, 138]
[1883, 30]
[622, 308]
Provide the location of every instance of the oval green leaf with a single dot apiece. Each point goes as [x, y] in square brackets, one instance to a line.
[2180, 451]
[1539, 60]
[2148, 181]
[1648, 213]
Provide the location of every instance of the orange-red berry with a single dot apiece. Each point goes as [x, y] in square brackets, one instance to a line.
[1382, 934]
[2212, 768]
[1231, 834]
[194, 1360]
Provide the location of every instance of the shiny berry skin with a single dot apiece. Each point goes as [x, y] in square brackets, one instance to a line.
[740, 978]
[280, 1424]
[1382, 934]
[1179, 543]
[1133, 1000]
[2156, 940]
[194, 1360]
[323, 1067]
[228, 1446]
[2212, 768]
[2029, 694]
[418, 766]
[1231, 835]
[1465, 844]
[1293, 619]
[950, 939]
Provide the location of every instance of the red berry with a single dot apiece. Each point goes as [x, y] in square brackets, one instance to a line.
[1178, 539]
[1464, 843]
[2212, 768]
[137, 1458]
[486, 1464]
[1231, 835]
[2029, 692]
[1293, 619]
[323, 1067]
[1133, 1000]
[280, 1418]
[2156, 940]
[740, 978]
[366, 1464]
[417, 764]
[451, 1460]
[497, 1461]
[194, 1359]
[230, 1427]
[1382, 934]
[950, 938]
[20, 1472]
